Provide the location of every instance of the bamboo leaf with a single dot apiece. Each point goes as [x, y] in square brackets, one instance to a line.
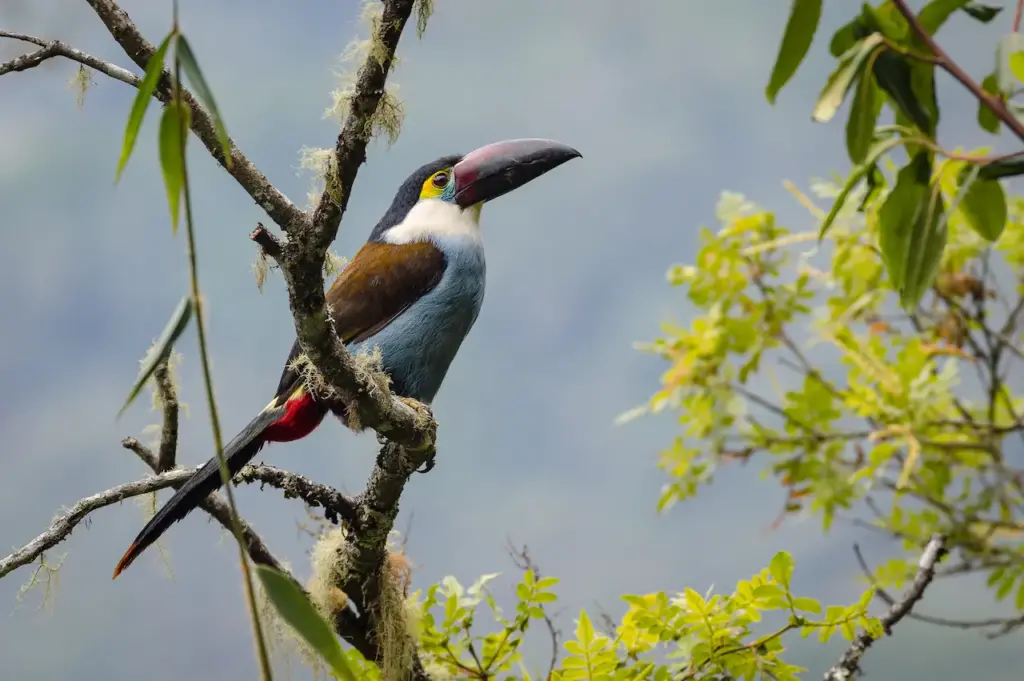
[174, 126]
[205, 94]
[154, 68]
[295, 608]
[162, 349]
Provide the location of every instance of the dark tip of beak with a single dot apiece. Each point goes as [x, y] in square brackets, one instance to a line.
[496, 169]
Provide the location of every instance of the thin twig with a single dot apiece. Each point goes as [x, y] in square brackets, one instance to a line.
[62, 526]
[522, 559]
[849, 663]
[55, 48]
[929, 619]
[335, 504]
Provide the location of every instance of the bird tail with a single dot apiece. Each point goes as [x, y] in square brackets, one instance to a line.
[290, 421]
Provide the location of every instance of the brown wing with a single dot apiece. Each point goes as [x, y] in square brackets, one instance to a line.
[378, 285]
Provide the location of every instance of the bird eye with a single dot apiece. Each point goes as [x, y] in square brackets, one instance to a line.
[441, 180]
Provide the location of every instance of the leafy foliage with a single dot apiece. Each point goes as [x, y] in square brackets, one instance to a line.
[903, 421]
[660, 636]
[887, 57]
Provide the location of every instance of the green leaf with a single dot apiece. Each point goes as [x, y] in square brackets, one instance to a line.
[584, 629]
[856, 175]
[912, 231]
[796, 41]
[294, 606]
[986, 119]
[936, 12]
[850, 64]
[846, 37]
[864, 110]
[162, 349]
[983, 13]
[546, 583]
[174, 126]
[884, 19]
[983, 204]
[154, 68]
[1008, 167]
[807, 605]
[781, 567]
[205, 94]
[910, 87]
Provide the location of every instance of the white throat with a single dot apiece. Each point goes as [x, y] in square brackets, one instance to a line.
[436, 219]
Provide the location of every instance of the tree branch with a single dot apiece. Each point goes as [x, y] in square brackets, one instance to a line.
[64, 524]
[943, 60]
[55, 48]
[168, 396]
[849, 664]
[335, 504]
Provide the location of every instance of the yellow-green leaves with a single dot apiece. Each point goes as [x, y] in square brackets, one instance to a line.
[781, 568]
[174, 127]
[162, 348]
[1017, 65]
[205, 94]
[850, 65]
[983, 203]
[154, 69]
[295, 608]
[591, 655]
[796, 41]
[912, 231]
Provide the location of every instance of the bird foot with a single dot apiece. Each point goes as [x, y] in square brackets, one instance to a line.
[428, 465]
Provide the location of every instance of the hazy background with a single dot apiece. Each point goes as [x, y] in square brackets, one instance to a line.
[664, 99]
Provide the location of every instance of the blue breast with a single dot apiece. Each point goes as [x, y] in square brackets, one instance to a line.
[418, 347]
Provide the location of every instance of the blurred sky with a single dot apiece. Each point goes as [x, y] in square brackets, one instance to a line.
[664, 99]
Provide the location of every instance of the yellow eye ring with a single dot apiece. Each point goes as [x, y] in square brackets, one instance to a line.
[440, 180]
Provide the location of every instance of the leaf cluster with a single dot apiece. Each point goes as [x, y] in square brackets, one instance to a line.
[886, 57]
[660, 636]
[801, 358]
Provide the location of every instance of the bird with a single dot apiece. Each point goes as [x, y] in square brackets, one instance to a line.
[413, 291]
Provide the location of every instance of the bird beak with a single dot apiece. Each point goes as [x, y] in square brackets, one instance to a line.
[497, 169]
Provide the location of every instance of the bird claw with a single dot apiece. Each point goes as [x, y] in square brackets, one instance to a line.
[428, 465]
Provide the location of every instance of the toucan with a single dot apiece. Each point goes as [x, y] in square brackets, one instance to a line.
[413, 291]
